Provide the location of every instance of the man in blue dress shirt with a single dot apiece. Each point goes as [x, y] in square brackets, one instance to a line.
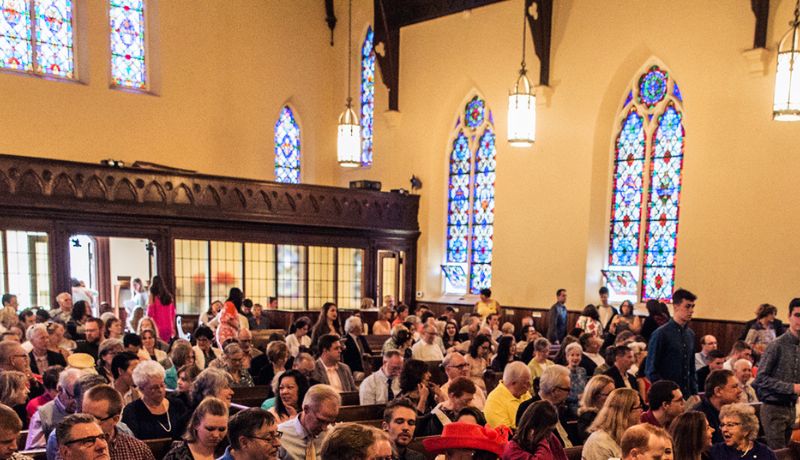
[670, 353]
[557, 329]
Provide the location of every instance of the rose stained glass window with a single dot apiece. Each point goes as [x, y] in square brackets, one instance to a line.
[470, 201]
[127, 21]
[36, 36]
[367, 97]
[648, 161]
[287, 148]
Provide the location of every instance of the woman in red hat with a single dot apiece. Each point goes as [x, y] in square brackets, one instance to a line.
[466, 441]
[534, 439]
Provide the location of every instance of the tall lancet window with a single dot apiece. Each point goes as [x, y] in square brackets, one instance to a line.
[287, 148]
[648, 159]
[470, 200]
[367, 97]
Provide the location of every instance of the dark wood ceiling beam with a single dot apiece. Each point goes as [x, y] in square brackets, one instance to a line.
[761, 11]
[541, 30]
[330, 17]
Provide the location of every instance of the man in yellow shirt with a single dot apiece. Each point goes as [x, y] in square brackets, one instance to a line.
[503, 402]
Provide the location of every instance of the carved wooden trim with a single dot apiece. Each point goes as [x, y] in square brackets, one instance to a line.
[28, 185]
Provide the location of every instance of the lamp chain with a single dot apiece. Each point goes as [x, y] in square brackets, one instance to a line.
[524, 29]
[350, 50]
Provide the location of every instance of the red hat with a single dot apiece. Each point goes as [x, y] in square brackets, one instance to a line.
[461, 435]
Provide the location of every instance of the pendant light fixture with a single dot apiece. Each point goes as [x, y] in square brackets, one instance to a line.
[349, 140]
[787, 79]
[522, 104]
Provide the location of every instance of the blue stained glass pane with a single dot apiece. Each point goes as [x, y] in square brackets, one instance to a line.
[16, 51]
[626, 208]
[677, 92]
[629, 99]
[663, 205]
[458, 200]
[474, 112]
[621, 281]
[127, 43]
[367, 97]
[483, 211]
[287, 148]
[653, 87]
[480, 277]
[54, 38]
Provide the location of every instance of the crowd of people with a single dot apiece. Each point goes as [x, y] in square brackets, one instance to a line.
[86, 383]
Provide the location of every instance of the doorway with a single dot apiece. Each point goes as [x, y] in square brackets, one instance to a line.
[391, 275]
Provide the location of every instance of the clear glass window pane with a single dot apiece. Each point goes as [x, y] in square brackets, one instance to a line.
[291, 277]
[28, 268]
[259, 262]
[191, 276]
[389, 269]
[320, 276]
[226, 268]
[350, 269]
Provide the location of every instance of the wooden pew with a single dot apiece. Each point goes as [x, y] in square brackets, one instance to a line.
[21, 438]
[418, 446]
[250, 396]
[159, 447]
[350, 398]
[376, 342]
[360, 413]
[491, 379]
[573, 453]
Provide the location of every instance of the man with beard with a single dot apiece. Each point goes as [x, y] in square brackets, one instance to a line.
[400, 421]
[254, 435]
[94, 334]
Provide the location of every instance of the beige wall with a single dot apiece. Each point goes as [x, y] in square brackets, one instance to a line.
[226, 69]
[735, 248]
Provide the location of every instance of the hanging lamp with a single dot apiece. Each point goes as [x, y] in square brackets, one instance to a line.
[522, 104]
[786, 106]
[349, 140]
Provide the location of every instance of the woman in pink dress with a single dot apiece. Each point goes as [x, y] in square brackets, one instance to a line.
[162, 309]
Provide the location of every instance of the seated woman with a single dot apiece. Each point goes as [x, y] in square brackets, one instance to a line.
[534, 438]
[764, 329]
[459, 396]
[181, 355]
[621, 410]
[106, 351]
[383, 326]
[148, 323]
[739, 426]
[626, 320]
[291, 387]
[233, 363]
[298, 338]
[153, 416]
[204, 351]
[478, 359]
[277, 355]
[213, 310]
[205, 431]
[214, 383]
[472, 415]
[540, 362]
[506, 353]
[114, 328]
[594, 396]
[450, 336]
[400, 340]
[14, 393]
[76, 326]
[186, 375]
[461, 440]
[691, 436]
[527, 337]
[415, 384]
[149, 349]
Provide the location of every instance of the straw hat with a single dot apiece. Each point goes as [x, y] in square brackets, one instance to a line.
[81, 361]
[461, 435]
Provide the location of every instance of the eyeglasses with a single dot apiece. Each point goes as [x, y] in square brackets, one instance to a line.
[460, 366]
[100, 419]
[567, 389]
[272, 437]
[88, 441]
[636, 408]
[679, 400]
[729, 425]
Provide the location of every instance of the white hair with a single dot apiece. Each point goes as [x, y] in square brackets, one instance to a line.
[31, 332]
[516, 371]
[352, 323]
[637, 347]
[551, 377]
[745, 361]
[320, 393]
[147, 370]
[412, 319]
[68, 377]
[573, 346]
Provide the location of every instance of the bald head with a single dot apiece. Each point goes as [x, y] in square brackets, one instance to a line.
[64, 302]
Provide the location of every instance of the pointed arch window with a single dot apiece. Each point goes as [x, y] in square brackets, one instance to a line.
[287, 148]
[128, 65]
[37, 37]
[648, 162]
[470, 200]
[367, 97]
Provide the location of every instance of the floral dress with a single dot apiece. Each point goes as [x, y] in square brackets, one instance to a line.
[590, 326]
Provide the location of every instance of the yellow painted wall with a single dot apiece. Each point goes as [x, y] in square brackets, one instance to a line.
[737, 243]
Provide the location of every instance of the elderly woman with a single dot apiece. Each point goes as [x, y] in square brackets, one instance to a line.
[105, 353]
[764, 329]
[57, 340]
[14, 392]
[299, 337]
[401, 340]
[691, 436]
[537, 365]
[461, 440]
[181, 355]
[205, 431]
[739, 426]
[186, 376]
[621, 410]
[233, 362]
[534, 438]
[152, 416]
[290, 387]
[594, 397]
[351, 441]
[383, 326]
[212, 382]
[277, 354]
[204, 351]
[577, 374]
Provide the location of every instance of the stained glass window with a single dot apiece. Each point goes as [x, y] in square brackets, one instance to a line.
[650, 138]
[367, 97]
[471, 192]
[287, 148]
[127, 20]
[36, 36]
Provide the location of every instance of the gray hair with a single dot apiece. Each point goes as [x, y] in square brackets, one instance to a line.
[68, 378]
[541, 344]
[64, 427]
[389, 354]
[412, 319]
[747, 417]
[551, 377]
[446, 361]
[573, 346]
[232, 349]
[181, 351]
[352, 323]
[210, 382]
[109, 345]
[516, 371]
[321, 393]
[147, 370]
[303, 357]
[29, 334]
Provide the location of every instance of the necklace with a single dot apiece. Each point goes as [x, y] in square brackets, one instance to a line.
[169, 424]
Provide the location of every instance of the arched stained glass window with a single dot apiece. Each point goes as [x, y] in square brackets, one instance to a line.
[36, 36]
[650, 139]
[367, 97]
[287, 148]
[127, 21]
[471, 191]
